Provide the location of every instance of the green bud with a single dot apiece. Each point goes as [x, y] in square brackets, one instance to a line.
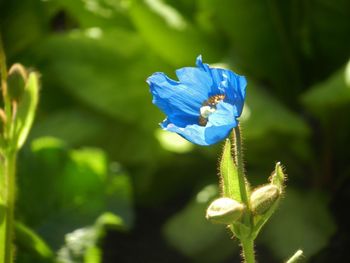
[224, 211]
[263, 198]
[16, 81]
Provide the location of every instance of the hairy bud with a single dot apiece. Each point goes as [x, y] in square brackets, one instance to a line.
[224, 211]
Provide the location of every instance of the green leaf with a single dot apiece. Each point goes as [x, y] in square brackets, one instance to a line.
[194, 236]
[229, 174]
[74, 126]
[169, 34]
[329, 24]
[308, 215]
[26, 110]
[264, 114]
[255, 28]
[28, 240]
[325, 97]
[22, 25]
[98, 72]
[79, 186]
[97, 14]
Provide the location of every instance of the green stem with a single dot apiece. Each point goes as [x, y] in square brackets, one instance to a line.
[9, 192]
[248, 250]
[240, 168]
[247, 242]
[7, 178]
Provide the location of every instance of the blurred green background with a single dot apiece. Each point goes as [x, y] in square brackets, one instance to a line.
[100, 182]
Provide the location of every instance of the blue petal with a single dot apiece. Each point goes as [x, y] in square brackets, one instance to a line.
[201, 65]
[193, 133]
[225, 114]
[235, 90]
[196, 79]
[180, 102]
[226, 82]
[201, 135]
[232, 85]
[219, 126]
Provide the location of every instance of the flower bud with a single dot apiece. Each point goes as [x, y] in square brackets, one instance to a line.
[224, 211]
[263, 198]
[16, 81]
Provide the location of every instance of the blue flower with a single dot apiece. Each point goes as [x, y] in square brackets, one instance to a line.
[203, 106]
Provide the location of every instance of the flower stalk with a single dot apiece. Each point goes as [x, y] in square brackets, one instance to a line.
[8, 186]
[247, 241]
[248, 250]
[19, 90]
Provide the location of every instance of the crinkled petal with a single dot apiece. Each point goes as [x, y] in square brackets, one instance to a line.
[226, 82]
[180, 102]
[235, 90]
[225, 114]
[195, 79]
[232, 85]
[201, 135]
[193, 133]
[219, 126]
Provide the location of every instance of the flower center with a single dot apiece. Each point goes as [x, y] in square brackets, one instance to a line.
[209, 107]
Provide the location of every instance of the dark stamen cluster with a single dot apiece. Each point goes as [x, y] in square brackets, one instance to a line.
[212, 101]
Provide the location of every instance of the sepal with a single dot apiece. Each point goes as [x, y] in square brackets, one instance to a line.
[278, 177]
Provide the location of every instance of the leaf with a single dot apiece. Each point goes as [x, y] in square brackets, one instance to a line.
[79, 186]
[97, 14]
[264, 114]
[325, 97]
[254, 29]
[190, 233]
[28, 240]
[329, 24]
[229, 174]
[74, 126]
[308, 216]
[106, 76]
[22, 25]
[169, 34]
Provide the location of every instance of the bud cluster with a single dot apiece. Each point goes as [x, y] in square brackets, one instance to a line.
[262, 202]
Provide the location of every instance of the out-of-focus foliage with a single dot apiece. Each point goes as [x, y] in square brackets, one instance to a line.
[94, 57]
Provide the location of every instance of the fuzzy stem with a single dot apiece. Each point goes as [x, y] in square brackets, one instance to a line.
[248, 250]
[246, 242]
[240, 165]
[9, 192]
[7, 179]
[237, 141]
